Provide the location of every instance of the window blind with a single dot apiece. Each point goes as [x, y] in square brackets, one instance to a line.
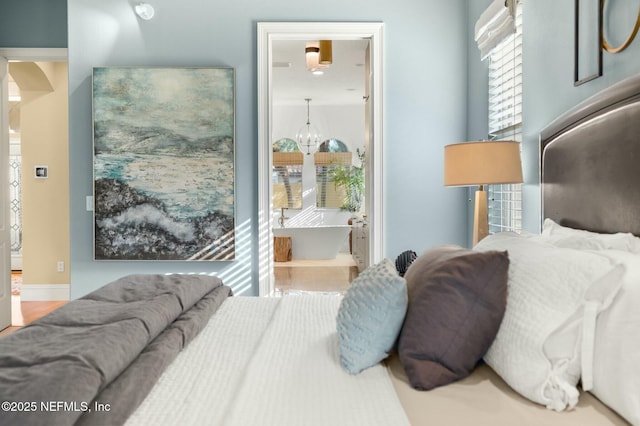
[287, 180]
[505, 122]
[328, 194]
[494, 25]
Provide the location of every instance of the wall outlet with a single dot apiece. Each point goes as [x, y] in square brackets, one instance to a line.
[60, 266]
[89, 202]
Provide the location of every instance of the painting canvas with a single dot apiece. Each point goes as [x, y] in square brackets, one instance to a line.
[163, 142]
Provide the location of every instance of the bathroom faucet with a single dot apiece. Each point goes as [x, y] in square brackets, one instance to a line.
[282, 218]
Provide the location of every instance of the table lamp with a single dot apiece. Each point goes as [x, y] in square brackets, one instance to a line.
[482, 163]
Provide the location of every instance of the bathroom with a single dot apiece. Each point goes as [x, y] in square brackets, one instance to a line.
[319, 133]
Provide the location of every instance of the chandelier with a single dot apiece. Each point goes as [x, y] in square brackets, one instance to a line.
[308, 136]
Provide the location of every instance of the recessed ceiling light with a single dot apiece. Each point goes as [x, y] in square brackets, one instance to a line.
[144, 11]
[317, 72]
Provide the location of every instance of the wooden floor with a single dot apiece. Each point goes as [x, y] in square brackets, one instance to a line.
[22, 313]
[315, 275]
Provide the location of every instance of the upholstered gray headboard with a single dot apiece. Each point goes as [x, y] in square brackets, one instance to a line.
[590, 162]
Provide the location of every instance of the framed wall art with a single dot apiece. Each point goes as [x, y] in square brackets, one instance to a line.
[164, 163]
[587, 48]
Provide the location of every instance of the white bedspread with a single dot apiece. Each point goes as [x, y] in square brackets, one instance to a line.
[270, 362]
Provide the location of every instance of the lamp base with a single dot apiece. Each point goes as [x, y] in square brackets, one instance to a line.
[480, 220]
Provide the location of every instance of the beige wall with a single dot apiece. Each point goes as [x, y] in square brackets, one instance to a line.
[45, 202]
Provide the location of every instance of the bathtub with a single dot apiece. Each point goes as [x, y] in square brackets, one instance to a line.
[315, 242]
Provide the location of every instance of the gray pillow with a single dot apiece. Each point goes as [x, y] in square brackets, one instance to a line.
[457, 299]
[370, 316]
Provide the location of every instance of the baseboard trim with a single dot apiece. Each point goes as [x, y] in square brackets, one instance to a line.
[44, 292]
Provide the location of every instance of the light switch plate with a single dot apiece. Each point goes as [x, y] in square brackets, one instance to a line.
[41, 172]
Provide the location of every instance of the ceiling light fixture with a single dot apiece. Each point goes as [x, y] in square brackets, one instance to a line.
[308, 136]
[312, 56]
[144, 11]
[326, 52]
[315, 57]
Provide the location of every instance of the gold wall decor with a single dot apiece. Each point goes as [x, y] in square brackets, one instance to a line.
[589, 33]
[606, 46]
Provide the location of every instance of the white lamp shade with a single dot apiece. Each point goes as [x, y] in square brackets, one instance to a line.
[480, 163]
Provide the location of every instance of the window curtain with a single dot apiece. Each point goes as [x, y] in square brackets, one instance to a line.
[495, 25]
[332, 158]
[288, 159]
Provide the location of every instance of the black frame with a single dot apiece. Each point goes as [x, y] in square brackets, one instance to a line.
[577, 81]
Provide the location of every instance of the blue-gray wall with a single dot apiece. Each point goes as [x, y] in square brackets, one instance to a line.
[548, 89]
[548, 46]
[425, 104]
[33, 23]
[435, 94]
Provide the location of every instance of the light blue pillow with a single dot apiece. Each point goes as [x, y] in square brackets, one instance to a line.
[370, 316]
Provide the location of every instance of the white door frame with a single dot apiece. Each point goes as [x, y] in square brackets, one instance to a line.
[267, 33]
[5, 222]
[16, 54]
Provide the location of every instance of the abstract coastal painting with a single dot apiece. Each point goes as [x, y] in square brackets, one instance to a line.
[164, 186]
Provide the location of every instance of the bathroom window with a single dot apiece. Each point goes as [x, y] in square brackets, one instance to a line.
[287, 174]
[331, 154]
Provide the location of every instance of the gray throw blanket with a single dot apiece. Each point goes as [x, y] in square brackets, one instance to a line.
[92, 361]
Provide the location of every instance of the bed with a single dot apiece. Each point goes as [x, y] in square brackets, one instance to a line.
[180, 349]
[590, 181]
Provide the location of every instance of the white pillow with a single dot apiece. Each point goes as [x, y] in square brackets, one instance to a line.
[537, 350]
[562, 236]
[616, 361]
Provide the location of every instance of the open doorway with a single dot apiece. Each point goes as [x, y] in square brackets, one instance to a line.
[15, 198]
[37, 188]
[15, 178]
[319, 132]
[268, 35]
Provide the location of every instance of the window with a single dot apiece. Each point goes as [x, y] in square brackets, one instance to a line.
[505, 122]
[287, 174]
[332, 154]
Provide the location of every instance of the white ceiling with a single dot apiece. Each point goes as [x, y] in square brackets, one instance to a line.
[341, 84]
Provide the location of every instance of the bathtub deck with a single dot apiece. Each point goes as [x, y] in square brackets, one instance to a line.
[333, 275]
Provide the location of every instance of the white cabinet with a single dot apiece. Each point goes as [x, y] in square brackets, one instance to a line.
[360, 242]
